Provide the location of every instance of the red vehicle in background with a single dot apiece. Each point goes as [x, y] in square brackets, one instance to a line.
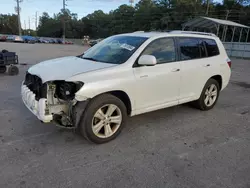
[3, 38]
[68, 42]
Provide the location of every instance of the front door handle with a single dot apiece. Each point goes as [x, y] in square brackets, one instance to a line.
[207, 65]
[175, 70]
[144, 76]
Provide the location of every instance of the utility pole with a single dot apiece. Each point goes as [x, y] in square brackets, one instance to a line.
[29, 23]
[64, 5]
[18, 17]
[208, 3]
[24, 26]
[36, 21]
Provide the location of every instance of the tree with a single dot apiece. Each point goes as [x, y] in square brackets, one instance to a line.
[122, 19]
[8, 24]
[147, 15]
[97, 24]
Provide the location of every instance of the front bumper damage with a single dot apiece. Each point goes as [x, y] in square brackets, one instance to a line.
[38, 108]
[58, 114]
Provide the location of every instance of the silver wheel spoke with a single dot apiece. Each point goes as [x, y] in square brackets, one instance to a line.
[210, 101]
[207, 91]
[108, 130]
[206, 100]
[111, 109]
[98, 127]
[214, 93]
[211, 88]
[99, 114]
[115, 119]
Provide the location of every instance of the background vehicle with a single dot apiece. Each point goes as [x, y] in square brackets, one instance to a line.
[94, 42]
[59, 41]
[29, 39]
[68, 42]
[52, 41]
[127, 75]
[10, 38]
[43, 40]
[14, 38]
[3, 38]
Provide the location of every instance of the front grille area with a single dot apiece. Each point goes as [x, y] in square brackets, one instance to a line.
[34, 83]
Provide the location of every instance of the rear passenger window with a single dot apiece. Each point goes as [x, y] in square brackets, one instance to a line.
[202, 48]
[212, 48]
[189, 48]
[163, 50]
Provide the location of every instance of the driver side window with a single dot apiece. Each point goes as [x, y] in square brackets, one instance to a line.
[163, 49]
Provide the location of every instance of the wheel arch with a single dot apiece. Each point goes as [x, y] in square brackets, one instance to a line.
[120, 94]
[80, 106]
[218, 78]
[123, 96]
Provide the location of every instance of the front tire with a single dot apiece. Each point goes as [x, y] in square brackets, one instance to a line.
[209, 95]
[103, 119]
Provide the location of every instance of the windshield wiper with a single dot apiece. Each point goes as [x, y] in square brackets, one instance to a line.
[89, 58]
[93, 59]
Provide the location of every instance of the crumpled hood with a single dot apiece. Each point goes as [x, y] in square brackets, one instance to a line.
[65, 67]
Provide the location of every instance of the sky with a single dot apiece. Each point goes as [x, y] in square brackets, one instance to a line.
[81, 7]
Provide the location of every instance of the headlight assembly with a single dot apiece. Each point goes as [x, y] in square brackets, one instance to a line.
[67, 90]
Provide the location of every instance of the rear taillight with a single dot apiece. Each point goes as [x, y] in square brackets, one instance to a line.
[229, 63]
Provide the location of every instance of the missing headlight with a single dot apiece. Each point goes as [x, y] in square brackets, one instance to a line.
[66, 90]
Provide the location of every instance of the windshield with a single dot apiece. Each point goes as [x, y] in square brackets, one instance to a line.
[114, 50]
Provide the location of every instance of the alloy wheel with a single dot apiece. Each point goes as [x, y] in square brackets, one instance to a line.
[106, 121]
[211, 95]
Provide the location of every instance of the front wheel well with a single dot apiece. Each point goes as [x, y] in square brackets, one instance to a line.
[124, 98]
[218, 78]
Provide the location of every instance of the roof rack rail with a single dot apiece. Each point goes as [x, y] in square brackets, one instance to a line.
[192, 32]
[138, 32]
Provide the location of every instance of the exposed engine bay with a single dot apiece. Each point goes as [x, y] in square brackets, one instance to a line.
[59, 97]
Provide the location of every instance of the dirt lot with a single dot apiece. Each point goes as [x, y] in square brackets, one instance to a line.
[178, 147]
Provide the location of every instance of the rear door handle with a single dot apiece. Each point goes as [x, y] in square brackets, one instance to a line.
[175, 70]
[207, 65]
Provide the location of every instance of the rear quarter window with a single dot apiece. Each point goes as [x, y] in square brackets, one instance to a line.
[191, 48]
[211, 47]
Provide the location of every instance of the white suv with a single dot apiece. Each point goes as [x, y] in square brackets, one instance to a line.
[127, 75]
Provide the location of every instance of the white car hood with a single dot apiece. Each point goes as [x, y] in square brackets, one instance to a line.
[65, 67]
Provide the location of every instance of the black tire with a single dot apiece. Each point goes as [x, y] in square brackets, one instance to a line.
[4, 51]
[200, 103]
[3, 69]
[13, 70]
[85, 124]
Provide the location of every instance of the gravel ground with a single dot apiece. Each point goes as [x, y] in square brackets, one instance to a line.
[178, 147]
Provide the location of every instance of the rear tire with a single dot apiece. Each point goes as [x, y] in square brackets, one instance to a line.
[13, 70]
[4, 51]
[3, 69]
[103, 119]
[209, 95]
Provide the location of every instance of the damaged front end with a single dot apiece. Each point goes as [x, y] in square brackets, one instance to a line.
[52, 101]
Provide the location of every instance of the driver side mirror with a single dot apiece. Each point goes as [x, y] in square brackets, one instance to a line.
[148, 60]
